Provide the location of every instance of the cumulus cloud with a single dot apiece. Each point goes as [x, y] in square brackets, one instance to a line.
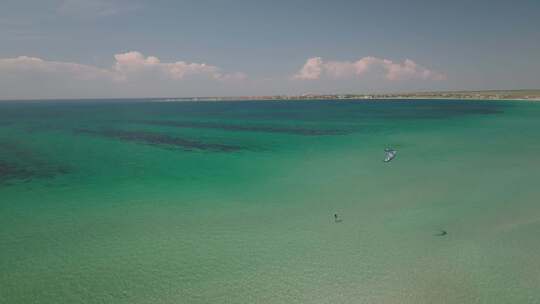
[131, 74]
[128, 66]
[133, 63]
[311, 70]
[317, 68]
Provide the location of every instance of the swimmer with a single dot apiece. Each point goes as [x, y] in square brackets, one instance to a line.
[442, 233]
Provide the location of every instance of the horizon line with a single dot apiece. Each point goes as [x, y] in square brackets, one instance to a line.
[277, 96]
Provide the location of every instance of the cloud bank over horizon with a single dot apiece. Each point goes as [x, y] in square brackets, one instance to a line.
[316, 68]
[130, 72]
[127, 66]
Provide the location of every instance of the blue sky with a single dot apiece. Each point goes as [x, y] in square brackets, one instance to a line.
[67, 48]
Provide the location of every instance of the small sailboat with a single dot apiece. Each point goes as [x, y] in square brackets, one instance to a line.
[390, 154]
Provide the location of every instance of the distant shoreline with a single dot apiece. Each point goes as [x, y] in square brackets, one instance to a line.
[341, 100]
[494, 95]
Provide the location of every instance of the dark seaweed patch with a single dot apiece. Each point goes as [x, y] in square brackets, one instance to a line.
[161, 140]
[247, 128]
[25, 165]
[11, 171]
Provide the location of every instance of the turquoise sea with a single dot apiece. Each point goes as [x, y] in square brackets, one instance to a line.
[233, 202]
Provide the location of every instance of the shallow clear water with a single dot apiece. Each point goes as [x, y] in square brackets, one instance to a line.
[233, 202]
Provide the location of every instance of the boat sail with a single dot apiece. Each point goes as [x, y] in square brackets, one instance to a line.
[390, 154]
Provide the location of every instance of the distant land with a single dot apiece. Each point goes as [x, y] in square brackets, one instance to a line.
[532, 95]
[465, 95]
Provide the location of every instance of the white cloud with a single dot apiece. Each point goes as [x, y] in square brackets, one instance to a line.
[317, 68]
[311, 70]
[131, 74]
[133, 63]
[128, 66]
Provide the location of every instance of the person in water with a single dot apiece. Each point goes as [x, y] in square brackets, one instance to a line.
[442, 233]
[336, 218]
